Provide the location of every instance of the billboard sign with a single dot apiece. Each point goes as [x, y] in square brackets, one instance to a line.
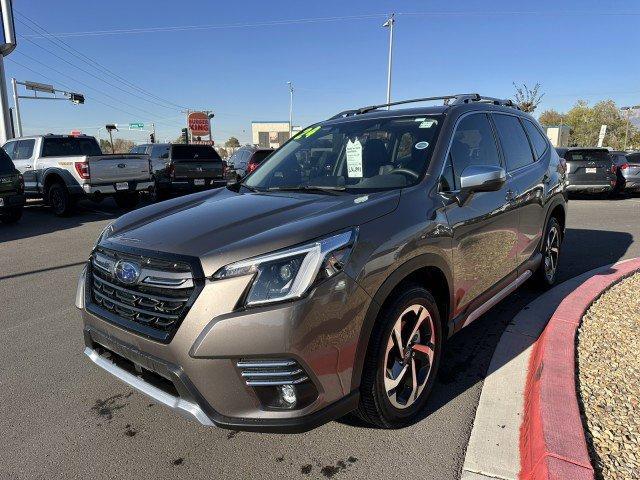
[198, 123]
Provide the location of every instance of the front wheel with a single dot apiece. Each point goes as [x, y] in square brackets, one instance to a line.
[547, 273]
[402, 360]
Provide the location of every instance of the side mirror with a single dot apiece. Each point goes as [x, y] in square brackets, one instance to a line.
[482, 178]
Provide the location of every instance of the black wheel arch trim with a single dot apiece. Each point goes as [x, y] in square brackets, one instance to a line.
[399, 274]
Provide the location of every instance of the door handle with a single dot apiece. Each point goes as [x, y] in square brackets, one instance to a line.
[27, 166]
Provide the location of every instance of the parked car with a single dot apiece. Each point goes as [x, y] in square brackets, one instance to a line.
[61, 169]
[619, 159]
[631, 172]
[11, 190]
[246, 159]
[589, 170]
[180, 168]
[306, 291]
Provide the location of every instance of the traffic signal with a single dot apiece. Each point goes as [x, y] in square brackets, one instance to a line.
[152, 138]
[77, 98]
[185, 135]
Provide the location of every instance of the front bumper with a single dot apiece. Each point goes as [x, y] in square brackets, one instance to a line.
[110, 188]
[320, 332]
[188, 185]
[11, 202]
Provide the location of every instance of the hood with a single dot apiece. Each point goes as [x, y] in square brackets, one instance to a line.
[221, 226]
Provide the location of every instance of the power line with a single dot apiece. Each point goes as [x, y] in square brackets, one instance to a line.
[95, 64]
[180, 28]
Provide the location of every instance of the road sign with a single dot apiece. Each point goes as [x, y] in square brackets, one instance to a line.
[603, 132]
[39, 87]
[136, 126]
[198, 123]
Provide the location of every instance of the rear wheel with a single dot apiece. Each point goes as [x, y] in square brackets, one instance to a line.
[157, 194]
[60, 200]
[11, 216]
[402, 360]
[547, 272]
[127, 200]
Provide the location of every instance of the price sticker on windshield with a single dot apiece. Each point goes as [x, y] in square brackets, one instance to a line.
[354, 159]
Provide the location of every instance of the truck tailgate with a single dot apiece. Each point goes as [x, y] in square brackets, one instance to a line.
[196, 169]
[118, 168]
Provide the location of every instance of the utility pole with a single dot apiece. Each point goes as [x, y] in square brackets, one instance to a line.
[626, 133]
[389, 23]
[16, 104]
[290, 108]
[5, 49]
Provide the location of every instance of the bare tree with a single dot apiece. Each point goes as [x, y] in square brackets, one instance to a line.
[527, 98]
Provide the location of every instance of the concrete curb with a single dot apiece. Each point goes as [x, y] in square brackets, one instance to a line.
[493, 449]
[547, 451]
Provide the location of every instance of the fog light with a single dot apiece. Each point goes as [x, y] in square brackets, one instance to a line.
[288, 393]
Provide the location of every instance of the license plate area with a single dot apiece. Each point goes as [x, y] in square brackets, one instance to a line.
[590, 170]
[122, 186]
[199, 182]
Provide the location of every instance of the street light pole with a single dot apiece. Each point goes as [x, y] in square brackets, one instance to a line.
[389, 23]
[16, 104]
[290, 108]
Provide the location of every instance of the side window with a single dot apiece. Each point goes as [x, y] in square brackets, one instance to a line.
[473, 144]
[10, 147]
[515, 144]
[160, 151]
[538, 141]
[24, 149]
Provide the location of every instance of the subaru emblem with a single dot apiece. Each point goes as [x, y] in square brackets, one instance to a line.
[127, 272]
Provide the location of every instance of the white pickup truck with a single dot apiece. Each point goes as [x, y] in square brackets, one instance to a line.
[61, 169]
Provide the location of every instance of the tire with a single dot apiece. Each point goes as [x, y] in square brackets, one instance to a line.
[547, 273]
[60, 200]
[157, 194]
[127, 200]
[11, 216]
[383, 367]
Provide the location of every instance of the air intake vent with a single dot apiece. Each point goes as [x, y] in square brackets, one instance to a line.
[271, 372]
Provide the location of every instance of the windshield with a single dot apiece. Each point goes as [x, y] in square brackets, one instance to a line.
[200, 153]
[357, 155]
[70, 146]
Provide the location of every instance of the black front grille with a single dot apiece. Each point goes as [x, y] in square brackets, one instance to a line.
[155, 306]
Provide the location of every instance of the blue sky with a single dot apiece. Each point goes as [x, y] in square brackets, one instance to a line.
[575, 49]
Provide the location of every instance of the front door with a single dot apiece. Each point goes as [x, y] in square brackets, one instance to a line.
[485, 226]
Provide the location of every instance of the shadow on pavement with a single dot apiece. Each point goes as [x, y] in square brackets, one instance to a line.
[467, 355]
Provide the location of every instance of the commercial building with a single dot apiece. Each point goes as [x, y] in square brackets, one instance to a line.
[269, 134]
[559, 136]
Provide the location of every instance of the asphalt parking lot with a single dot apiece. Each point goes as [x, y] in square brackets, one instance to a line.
[61, 417]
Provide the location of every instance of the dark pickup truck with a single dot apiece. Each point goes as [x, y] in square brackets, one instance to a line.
[11, 190]
[179, 168]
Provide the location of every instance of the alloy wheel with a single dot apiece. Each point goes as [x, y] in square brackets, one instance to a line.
[551, 253]
[409, 356]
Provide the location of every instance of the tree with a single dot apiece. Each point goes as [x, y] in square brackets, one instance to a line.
[527, 98]
[222, 152]
[120, 145]
[233, 142]
[551, 118]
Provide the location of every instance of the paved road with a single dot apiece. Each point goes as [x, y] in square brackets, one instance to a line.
[62, 418]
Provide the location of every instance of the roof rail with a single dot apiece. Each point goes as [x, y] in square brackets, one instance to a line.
[447, 99]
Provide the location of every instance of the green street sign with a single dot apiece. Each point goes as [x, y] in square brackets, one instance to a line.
[136, 126]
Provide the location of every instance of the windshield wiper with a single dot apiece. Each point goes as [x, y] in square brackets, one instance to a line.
[330, 190]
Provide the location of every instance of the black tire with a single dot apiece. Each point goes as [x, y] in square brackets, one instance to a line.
[127, 200]
[376, 406]
[157, 194]
[542, 277]
[60, 200]
[11, 216]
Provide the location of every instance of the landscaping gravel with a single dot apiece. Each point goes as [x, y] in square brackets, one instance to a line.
[609, 380]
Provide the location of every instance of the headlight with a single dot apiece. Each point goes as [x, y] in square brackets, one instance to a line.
[106, 233]
[289, 274]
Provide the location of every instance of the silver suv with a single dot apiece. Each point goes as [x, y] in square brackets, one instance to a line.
[329, 279]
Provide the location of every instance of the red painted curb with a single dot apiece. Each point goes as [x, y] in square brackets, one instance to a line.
[552, 442]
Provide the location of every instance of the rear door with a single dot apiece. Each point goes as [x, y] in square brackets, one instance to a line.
[589, 167]
[196, 162]
[485, 226]
[526, 154]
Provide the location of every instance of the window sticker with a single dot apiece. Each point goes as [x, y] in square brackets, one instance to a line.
[428, 123]
[421, 145]
[308, 132]
[354, 159]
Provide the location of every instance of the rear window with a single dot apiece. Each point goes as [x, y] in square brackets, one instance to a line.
[515, 144]
[160, 151]
[6, 165]
[260, 155]
[70, 146]
[538, 141]
[195, 152]
[587, 156]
